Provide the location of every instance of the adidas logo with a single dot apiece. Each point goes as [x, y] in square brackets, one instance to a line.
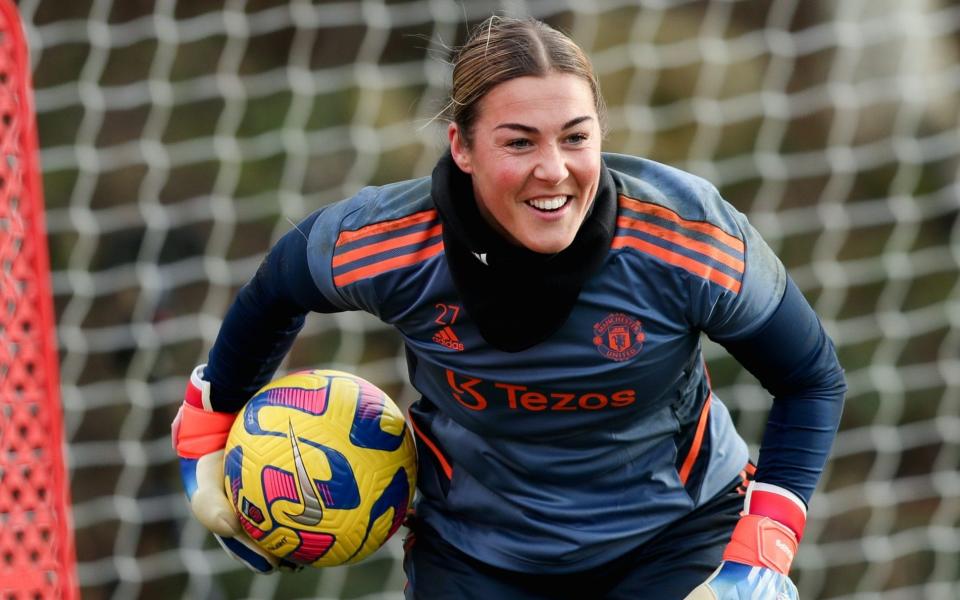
[448, 339]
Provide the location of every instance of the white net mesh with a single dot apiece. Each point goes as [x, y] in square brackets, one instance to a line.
[179, 139]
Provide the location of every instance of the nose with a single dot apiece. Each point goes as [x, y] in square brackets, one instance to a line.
[552, 167]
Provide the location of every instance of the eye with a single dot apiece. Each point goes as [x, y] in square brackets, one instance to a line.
[577, 138]
[519, 143]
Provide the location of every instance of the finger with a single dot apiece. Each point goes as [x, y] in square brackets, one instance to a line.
[210, 504]
[702, 592]
[215, 513]
[244, 550]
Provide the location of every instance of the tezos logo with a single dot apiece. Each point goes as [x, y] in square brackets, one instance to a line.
[618, 336]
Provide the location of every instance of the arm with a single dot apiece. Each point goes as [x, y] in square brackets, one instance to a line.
[256, 334]
[794, 360]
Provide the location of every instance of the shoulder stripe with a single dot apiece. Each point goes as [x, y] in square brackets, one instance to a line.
[340, 259]
[679, 260]
[396, 262]
[386, 226]
[385, 246]
[668, 215]
[698, 247]
[734, 262]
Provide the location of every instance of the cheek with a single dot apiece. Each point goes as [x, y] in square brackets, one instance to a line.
[504, 181]
[588, 169]
[510, 174]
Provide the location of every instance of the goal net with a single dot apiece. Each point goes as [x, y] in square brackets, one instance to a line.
[180, 138]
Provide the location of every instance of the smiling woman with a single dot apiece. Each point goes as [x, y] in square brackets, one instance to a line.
[526, 122]
[552, 300]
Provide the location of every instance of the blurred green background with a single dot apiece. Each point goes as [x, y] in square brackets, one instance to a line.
[179, 139]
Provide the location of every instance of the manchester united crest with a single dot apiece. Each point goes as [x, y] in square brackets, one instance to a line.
[618, 337]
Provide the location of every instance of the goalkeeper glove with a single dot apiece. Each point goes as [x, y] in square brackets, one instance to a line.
[764, 542]
[199, 436]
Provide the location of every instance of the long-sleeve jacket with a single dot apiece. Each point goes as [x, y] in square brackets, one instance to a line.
[566, 453]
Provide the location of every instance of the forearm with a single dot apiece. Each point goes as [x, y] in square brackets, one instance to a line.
[798, 437]
[256, 334]
[262, 323]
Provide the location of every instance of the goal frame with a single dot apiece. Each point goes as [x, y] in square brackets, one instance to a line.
[36, 544]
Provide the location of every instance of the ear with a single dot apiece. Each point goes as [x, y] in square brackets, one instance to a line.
[459, 149]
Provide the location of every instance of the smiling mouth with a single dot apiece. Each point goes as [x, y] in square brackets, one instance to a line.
[549, 204]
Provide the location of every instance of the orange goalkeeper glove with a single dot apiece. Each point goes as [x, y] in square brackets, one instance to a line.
[199, 436]
[757, 560]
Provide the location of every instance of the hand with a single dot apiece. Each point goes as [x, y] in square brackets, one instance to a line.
[199, 436]
[737, 581]
[757, 560]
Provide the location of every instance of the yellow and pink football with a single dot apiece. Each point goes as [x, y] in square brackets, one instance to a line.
[321, 468]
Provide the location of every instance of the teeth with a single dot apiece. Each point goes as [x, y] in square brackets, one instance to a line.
[548, 203]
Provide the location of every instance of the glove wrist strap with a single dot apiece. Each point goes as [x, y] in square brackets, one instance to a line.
[198, 390]
[780, 504]
[762, 542]
[201, 432]
[197, 429]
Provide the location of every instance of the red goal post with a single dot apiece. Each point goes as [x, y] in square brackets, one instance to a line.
[36, 543]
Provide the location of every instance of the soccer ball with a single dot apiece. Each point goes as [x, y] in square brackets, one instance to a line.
[321, 468]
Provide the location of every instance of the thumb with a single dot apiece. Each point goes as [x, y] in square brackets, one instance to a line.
[209, 503]
[702, 592]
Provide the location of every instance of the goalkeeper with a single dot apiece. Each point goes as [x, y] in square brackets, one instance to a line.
[551, 298]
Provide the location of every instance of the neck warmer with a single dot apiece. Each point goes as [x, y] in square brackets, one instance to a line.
[517, 297]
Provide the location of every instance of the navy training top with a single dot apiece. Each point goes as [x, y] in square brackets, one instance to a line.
[568, 453]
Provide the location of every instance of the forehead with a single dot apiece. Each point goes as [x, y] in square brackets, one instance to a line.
[540, 101]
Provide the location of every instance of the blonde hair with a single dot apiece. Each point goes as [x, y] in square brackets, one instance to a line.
[503, 48]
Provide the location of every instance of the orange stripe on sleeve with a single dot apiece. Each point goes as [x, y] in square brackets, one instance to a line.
[682, 240]
[700, 226]
[444, 464]
[697, 268]
[389, 264]
[386, 245]
[691, 457]
[346, 237]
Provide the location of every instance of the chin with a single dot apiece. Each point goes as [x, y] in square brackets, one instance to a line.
[548, 246]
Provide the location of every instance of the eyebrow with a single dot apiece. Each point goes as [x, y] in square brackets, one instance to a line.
[529, 129]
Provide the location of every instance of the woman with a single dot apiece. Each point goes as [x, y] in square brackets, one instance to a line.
[551, 299]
